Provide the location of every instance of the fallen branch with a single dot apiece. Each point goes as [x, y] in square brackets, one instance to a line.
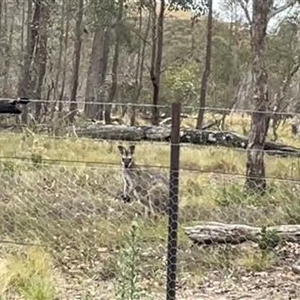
[209, 233]
[191, 136]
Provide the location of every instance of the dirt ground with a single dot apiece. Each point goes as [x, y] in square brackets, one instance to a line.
[276, 284]
[280, 282]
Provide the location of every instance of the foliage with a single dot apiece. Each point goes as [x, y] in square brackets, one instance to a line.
[183, 84]
[268, 239]
[129, 268]
[197, 7]
[183, 53]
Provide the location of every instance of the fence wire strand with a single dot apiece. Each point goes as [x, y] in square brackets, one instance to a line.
[149, 105]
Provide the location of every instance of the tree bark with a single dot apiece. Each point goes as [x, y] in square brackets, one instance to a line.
[7, 58]
[65, 61]
[206, 73]
[1, 14]
[114, 86]
[255, 167]
[140, 63]
[41, 54]
[156, 60]
[103, 61]
[26, 76]
[60, 51]
[35, 39]
[93, 72]
[77, 54]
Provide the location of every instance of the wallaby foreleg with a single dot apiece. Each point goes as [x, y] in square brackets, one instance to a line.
[128, 191]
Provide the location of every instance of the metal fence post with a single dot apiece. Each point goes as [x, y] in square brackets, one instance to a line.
[173, 207]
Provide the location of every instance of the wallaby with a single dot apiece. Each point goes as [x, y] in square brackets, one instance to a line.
[146, 186]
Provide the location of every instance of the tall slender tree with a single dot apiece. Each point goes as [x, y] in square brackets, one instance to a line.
[24, 89]
[76, 65]
[115, 65]
[207, 68]
[255, 167]
[156, 59]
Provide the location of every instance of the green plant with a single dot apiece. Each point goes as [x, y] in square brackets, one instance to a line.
[268, 239]
[128, 279]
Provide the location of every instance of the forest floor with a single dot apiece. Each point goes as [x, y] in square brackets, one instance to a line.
[277, 284]
[65, 236]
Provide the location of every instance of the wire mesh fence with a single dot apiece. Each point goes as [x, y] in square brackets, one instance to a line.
[100, 209]
[73, 211]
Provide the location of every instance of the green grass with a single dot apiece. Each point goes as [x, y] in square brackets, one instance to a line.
[69, 209]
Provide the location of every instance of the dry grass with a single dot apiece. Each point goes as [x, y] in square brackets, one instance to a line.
[68, 208]
[27, 274]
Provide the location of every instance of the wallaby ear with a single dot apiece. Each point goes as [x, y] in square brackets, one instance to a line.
[121, 149]
[131, 149]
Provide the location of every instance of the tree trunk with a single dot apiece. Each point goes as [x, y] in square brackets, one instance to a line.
[41, 54]
[77, 53]
[105, 53]
[206, 73]
[255, 167]
[60, 52]
[93, 71]
[7, 59]
[156, 59]
[65, 62]
[103, 71]
[114, 86]
[35, 39]
[140, 64]
[1, 13]
[155, 112]
[25, 81]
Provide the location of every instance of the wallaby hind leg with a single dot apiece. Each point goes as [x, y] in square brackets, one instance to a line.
[151, 206]
[148, 208]
[150, 213]
[146, 212]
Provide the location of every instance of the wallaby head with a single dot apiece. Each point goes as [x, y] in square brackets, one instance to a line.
[127, 155]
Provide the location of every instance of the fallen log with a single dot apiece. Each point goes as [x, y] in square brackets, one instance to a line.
[212, 233]
[191, 136]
